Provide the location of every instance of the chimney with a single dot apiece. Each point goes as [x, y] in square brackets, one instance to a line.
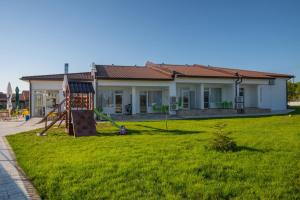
[94, 70]
[66, 68]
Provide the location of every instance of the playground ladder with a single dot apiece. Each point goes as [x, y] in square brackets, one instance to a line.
[60, 116]
[56, 107]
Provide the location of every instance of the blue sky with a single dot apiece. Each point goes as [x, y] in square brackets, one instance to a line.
[38, 37]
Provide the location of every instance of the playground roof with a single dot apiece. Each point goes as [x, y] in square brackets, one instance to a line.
[59, 77]
[81, 87]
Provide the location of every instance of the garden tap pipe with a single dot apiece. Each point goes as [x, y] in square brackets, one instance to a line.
[237, 82]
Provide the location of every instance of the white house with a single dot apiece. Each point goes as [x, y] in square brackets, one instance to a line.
[193, 89]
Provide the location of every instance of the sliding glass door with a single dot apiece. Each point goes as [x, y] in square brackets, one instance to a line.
[185, 99]
[38, 104]
[206, 97]
[212, 97]
[143, 102]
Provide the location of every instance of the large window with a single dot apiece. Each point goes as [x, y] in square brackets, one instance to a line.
[106, 98]
[216, 95]
[44, 101]
[38, 104]
[154, 98]
[52, 99]
[206, 97]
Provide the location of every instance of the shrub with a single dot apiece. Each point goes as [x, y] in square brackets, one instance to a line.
[221, 141]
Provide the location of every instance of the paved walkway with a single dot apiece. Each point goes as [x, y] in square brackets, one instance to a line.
[13, 183]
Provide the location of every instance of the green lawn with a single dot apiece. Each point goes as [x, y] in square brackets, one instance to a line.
[151, 163]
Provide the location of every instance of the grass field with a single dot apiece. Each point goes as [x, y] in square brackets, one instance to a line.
[151, 163]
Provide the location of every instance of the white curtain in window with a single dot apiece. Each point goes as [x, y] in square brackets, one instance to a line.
[216, 95]
[106, 97]
[155, 98]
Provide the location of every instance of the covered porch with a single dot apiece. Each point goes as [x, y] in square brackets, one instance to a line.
[131, 100]
[183, 98]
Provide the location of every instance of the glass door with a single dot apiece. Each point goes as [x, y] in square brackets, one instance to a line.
[38, 104]
[118, 103]
[52, 98]
[143, 103]
[206, 97]
[185, 99]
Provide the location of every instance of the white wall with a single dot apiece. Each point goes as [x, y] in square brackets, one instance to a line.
[273, 96]
[251, 98]
[45, 85]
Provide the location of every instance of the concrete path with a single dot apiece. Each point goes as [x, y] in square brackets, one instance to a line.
[13, 183]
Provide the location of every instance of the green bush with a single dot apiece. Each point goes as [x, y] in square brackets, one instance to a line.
[221, 142]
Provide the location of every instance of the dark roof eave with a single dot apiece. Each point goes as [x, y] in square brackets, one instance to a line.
[51, 79]
[287, 76]
[146, 79]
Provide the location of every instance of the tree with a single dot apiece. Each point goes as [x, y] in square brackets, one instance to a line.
[163, 109]
[297, 91]
[292, 89]
[221, 141]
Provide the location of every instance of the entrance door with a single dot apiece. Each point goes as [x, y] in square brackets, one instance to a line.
[143, 103]
[118, 103]
[206, 97]
[38, 105]
[242, 92]
[186, 99]
[51, 100]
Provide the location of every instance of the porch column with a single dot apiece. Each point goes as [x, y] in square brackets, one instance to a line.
[258, 96]
[172, 93]
[133, 100]
[201, 96]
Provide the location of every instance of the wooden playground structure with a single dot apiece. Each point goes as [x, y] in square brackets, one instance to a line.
[78, 113]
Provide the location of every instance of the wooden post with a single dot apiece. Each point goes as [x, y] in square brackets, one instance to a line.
[92, 102]
[88, 101]
[81, 101]
[46, 122]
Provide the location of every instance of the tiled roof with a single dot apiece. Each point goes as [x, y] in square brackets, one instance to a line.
[152, 71]
[3, 97]
[24, 95]
[81, 87]
[210, 71]
[60, 77]
[194, 71]
[249, 73]
[130, 72]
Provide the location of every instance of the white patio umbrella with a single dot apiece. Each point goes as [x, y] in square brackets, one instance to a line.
[9, 97]
[64, 87]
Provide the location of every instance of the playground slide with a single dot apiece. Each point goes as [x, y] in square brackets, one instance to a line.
[83, 122]
[121, 128]
[104, 116]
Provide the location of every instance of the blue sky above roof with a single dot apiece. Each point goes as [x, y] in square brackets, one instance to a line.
[38, 37]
